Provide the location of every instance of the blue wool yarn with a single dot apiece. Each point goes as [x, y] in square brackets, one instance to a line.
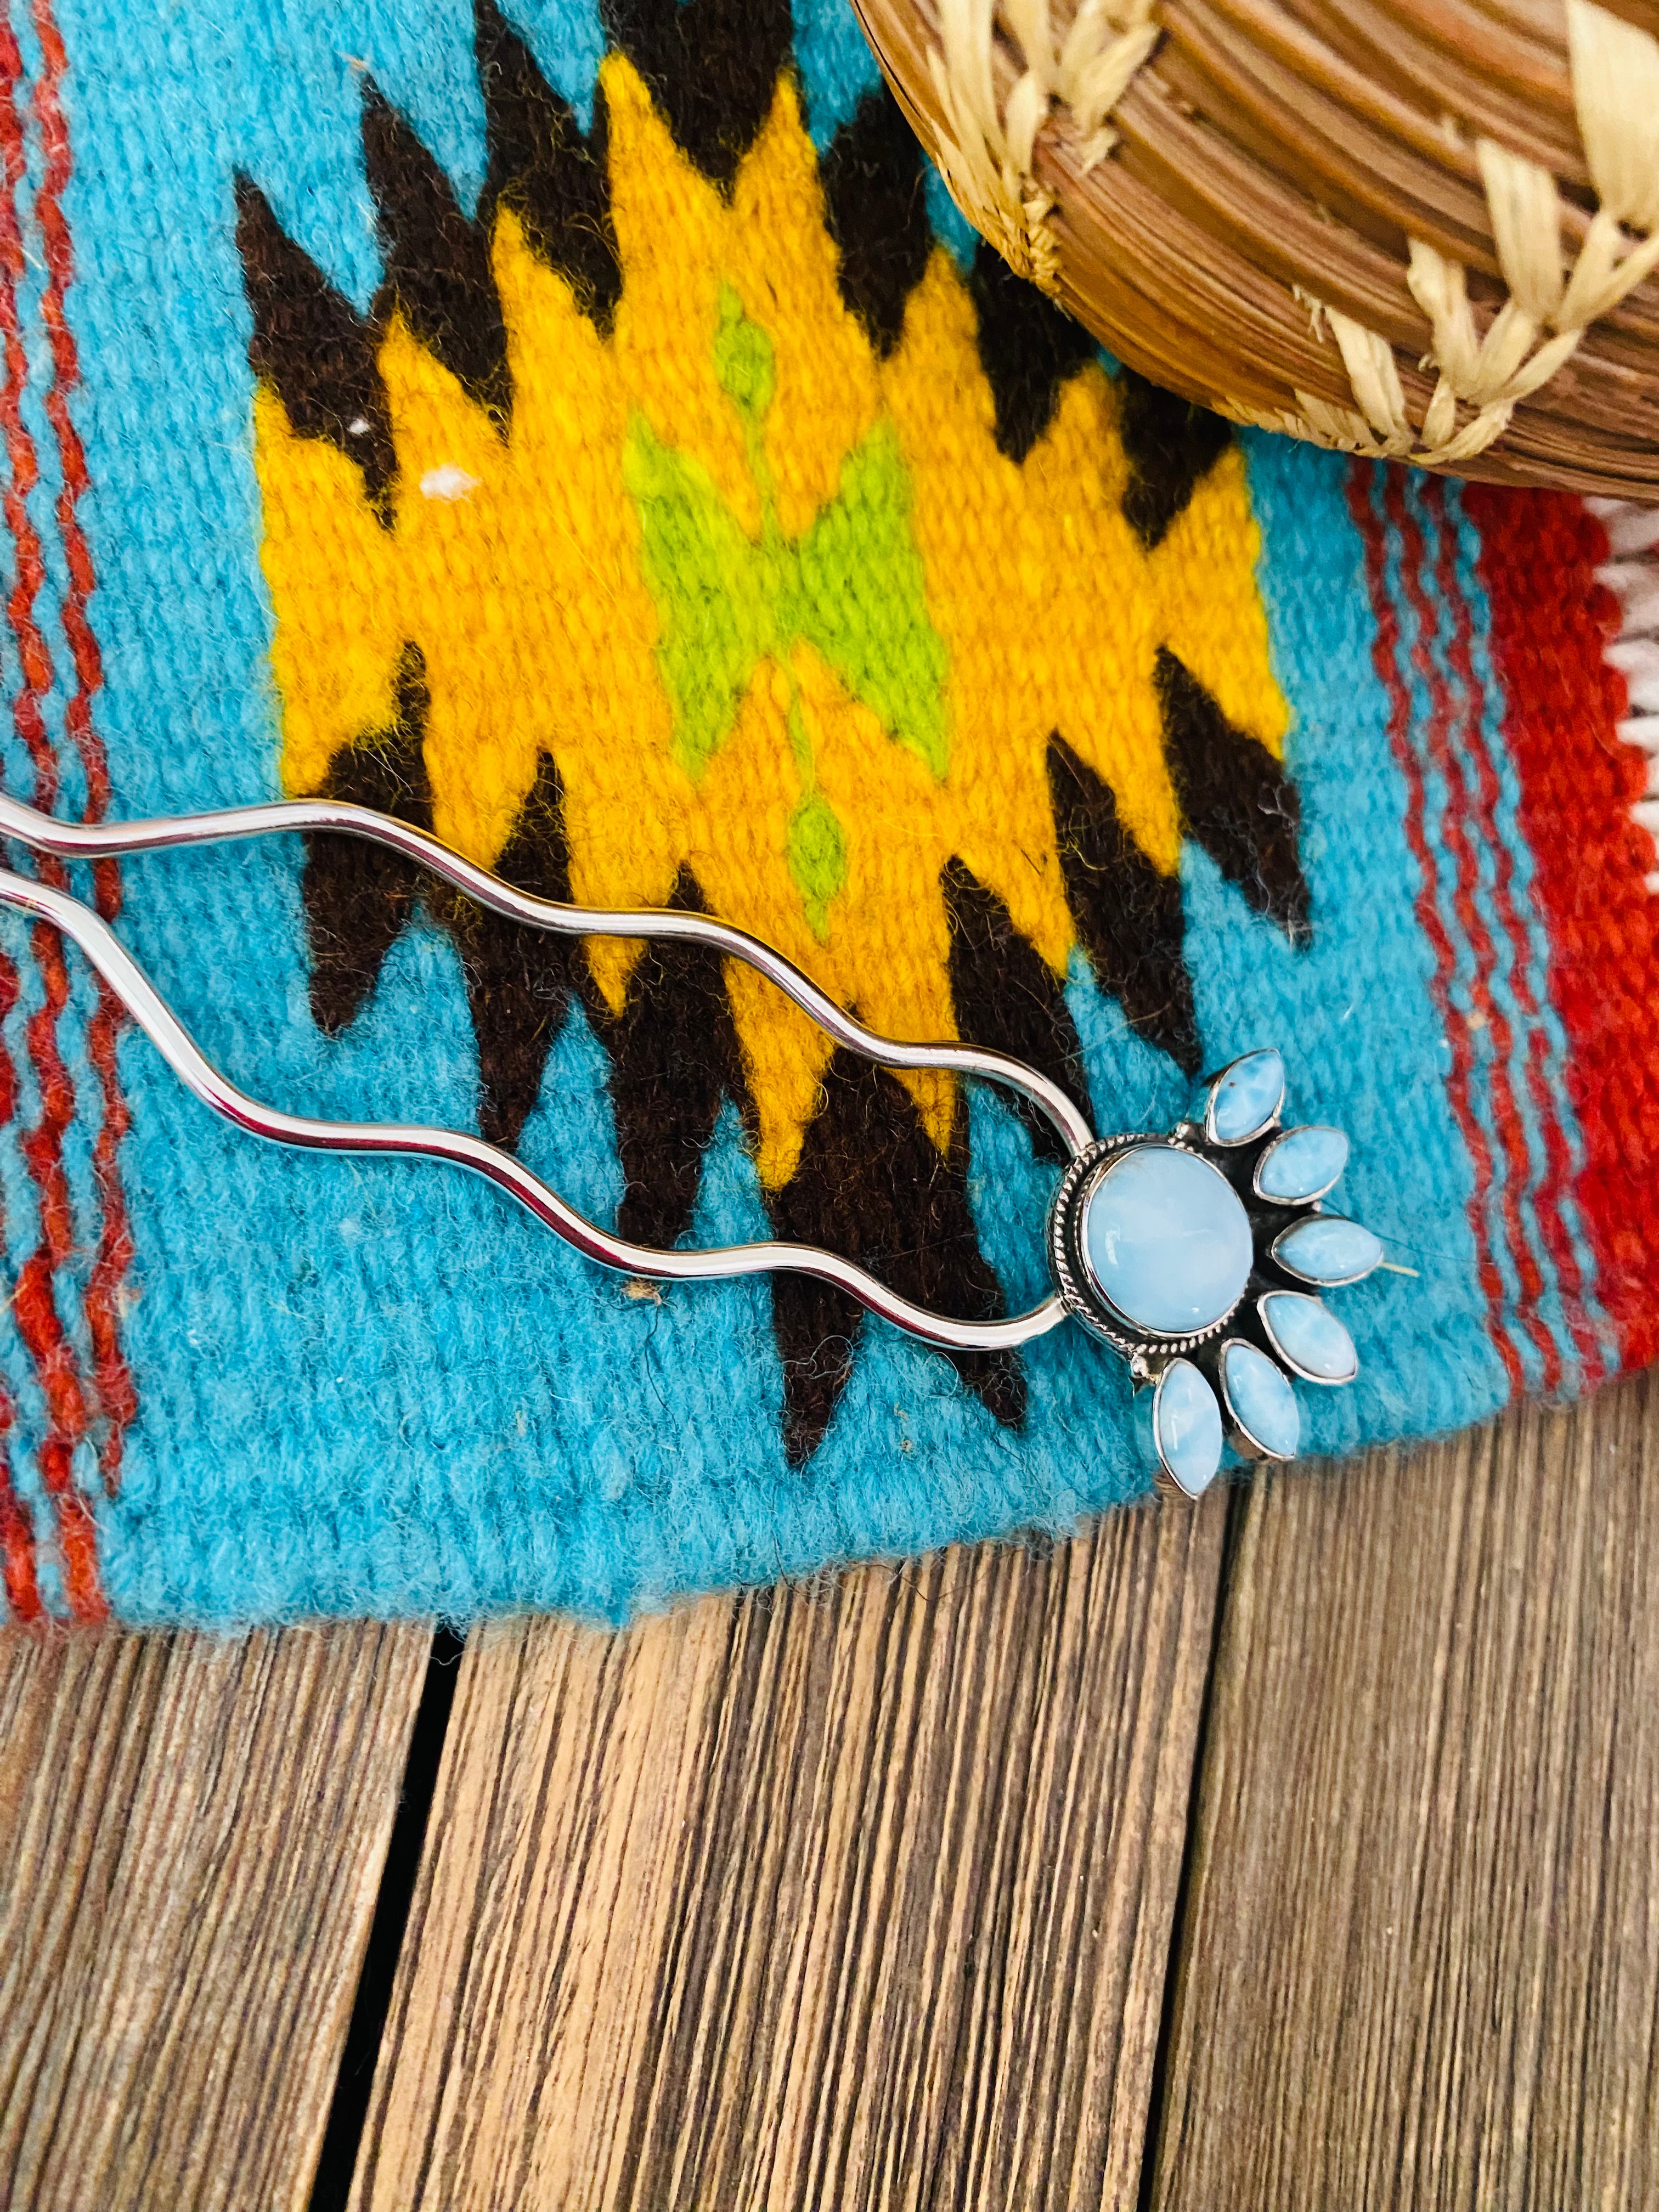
[375, 1387]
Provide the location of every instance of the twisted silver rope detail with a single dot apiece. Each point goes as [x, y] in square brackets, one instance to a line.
[106, 839]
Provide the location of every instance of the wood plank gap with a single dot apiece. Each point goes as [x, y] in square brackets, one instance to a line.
[1237, 1509]
[191, 1834]
[354, 2079]
[857, 1893]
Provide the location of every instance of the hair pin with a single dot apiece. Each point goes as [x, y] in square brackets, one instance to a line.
[1196, 1254]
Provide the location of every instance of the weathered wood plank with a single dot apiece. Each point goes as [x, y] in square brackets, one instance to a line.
[856, 1896]
[190, 1837]
[1420, 1951]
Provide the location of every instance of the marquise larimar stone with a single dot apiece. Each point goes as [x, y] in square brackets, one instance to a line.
[1246, 1097]
[1327, 1249]
[1260, 1401]
[1301, 1165]
[1309, 1337]
[1187, 1426]
[1167, 1240]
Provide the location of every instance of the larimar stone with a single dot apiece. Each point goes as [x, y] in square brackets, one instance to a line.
[1261, 1400]
[1327, 1249]
[1187, 1426]
[1302, 1164]
[1309, 1337]
[1167, 1240]
[1247, 1097]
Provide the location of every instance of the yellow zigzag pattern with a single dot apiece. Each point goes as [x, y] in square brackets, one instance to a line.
[515, 565]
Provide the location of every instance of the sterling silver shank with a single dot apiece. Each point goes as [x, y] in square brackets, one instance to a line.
[104, 840]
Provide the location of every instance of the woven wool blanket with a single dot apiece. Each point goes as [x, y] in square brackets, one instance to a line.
[585, 428]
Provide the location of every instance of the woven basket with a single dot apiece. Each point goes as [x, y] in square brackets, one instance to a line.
[1422, 228]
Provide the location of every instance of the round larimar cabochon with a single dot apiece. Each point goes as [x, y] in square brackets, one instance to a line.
[1167, 1241]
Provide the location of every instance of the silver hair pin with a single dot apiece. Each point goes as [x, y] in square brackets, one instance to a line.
[1196, 1255]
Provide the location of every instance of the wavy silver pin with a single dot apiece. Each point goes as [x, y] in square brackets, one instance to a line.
[1195, 1254]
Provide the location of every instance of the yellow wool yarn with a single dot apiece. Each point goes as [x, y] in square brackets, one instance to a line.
[514, 561]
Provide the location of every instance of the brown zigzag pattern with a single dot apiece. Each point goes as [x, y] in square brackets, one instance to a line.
[869, 1181]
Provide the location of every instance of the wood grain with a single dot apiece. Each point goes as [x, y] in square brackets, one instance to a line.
[190, 1837]
[857, 1896]
[1421, 1958]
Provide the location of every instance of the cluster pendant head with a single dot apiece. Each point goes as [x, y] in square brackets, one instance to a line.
[1200, 1256]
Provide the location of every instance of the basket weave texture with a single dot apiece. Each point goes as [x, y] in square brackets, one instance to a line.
[1426, 229]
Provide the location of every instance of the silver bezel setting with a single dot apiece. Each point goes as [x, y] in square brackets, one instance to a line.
[1244, 1440]
[1273, 1121]
[1238, 1161]
[1292, 1365]
[1168, 1483]
[1307, 1197]
[1288, 1267]
[1075, 1278]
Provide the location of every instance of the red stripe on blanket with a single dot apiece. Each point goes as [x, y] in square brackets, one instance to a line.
[1386, 654]
[1548, 1198]
[34, 1299]
[17, 1565]
[111, 1373]
[1424, 591]
[1551, 622]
